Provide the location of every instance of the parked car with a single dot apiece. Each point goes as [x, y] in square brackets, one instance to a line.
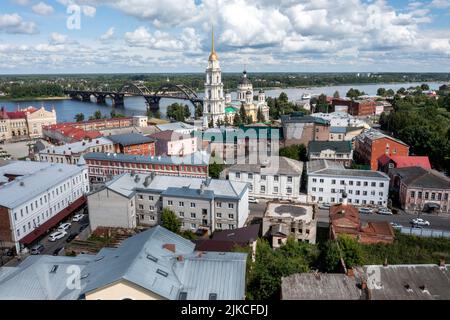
[383, 210]
[395, 225]
[420, 222]
[324, 206]
[56, 251]
[37, 249]
[365, 210]
[78, 217]
[252, 200]
[71, 237]
[64, 226]
[57, 235]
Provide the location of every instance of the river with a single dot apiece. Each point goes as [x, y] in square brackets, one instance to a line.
[67, 109]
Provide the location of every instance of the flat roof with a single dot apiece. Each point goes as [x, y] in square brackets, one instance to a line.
[76, 147]
[129, 139]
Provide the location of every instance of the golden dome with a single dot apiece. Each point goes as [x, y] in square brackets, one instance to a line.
[213, 56]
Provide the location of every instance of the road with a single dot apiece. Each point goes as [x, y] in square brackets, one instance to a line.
[436, 222]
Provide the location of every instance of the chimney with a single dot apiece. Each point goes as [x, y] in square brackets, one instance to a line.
[350, 272]
[364, 285]
[169, 246]
[385, 263]
[180, 258]
[442, 263]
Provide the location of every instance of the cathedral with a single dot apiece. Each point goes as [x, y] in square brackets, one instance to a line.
[219, 107]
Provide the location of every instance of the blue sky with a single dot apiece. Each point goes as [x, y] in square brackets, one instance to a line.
[264, 35]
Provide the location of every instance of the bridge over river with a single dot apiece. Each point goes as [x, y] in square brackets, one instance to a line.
[172, 91]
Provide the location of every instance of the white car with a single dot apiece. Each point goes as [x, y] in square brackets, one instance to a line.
[78, 217]
[395, 225]
[365, 210]
[64, 226]
[253, 200]
[384, 211]
[324, 206]
[420, 222]
[57, 235]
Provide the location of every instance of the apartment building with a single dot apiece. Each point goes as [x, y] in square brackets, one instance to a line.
[172, 143]
[276, 178]
[70, 153]
[130, 200]
[338, 151]
[36, 196]
[103, 166]
[328, 181]
[133, 143]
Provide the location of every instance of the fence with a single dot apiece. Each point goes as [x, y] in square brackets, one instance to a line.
[425, 232]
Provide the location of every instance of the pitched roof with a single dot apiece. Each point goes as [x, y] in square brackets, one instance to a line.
[333, 168]
[344, 216]
[197, 158]
[143, 260]
[337, 146]
[373, 134]
[409, 282]
[129, 139]
[412, 161]
[320, 286]
[217, 245]
[298, 117]
[242, 235]
[422, 178]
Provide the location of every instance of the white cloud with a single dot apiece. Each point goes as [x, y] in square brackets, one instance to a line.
[89, 11]
[43, 9]
[13, 23]
[57, 38]
[108, 35]
[440, 4]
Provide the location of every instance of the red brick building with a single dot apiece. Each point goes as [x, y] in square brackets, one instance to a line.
[65, 133]
[133, 143]
[344, 219]
[372, 144]
[104, 166]
[362, 108]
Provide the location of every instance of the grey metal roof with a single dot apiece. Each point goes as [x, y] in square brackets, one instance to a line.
[129, 139]
[320, 286]
[275, 165]
[188, 193]
[175, 126]
[198, 275]
[32, 279]
[197, 158]
[35, 181]
[126, 184]
[332, 168]
[76, 147]
[422, 178]
[409, 282]
[337, 146]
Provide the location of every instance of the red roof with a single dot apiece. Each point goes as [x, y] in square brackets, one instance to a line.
[16, 115]
[411, 161]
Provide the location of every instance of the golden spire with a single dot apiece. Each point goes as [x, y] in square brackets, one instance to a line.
[213, 56]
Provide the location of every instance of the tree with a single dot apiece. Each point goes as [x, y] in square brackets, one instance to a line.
[401, 91]
[425, 87]
[178, 112]
[215, 169]
[198, 111]
[390, 93]
[79, 117]
[354, 93]
[330, 256]
[336, 94]
[295, 151]
[243, 113]
[170, 221]
[157, 114]
[237, 120]
[96, 116]
[351, 250]
[211, 123]
[260, 115]
[381, 92]
[187, 112]
[226, 121]
[322, 104]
